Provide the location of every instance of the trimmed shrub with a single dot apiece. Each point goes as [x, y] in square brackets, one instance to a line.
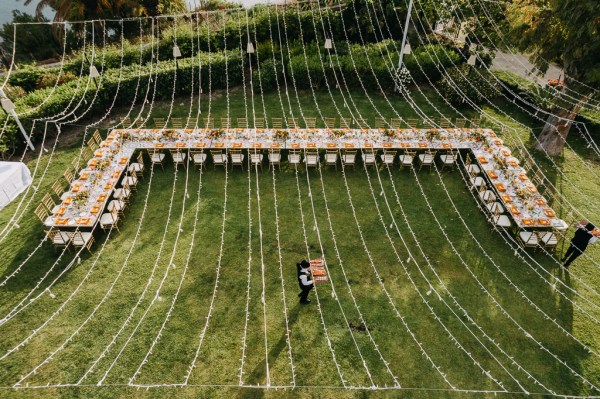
[477, 85]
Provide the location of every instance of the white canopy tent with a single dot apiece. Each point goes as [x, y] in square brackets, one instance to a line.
[14, 179]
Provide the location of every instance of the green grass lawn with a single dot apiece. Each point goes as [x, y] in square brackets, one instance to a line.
[427, 298]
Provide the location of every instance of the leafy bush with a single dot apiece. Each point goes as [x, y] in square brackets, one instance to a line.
[466, 81]
[431, 58]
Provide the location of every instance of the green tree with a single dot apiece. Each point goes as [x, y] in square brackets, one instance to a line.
[565, 32]
[33, 42]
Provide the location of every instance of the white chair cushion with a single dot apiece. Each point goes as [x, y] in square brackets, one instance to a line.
[107, 219]
[406, 159]
[331, 158]
[294, 158]
[502, 221]
[179, 157]
[487, 196]
[116, 205]
[477, 181]
[388, 158]
[369, 158]
[549, 238]
[61, 238]
[199, 158]
[528, 237]
[425, 158]
[276, 157]
[121, 193]
[237, 158]
[495, 207]
[220, 158]
[448, 159]
[157, 157]
[473, 169]
[349, 158]
[131, 180]
[77, 240]
[135, 167]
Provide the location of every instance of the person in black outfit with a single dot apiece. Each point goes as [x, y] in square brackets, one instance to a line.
[303, 280]
[579, 243]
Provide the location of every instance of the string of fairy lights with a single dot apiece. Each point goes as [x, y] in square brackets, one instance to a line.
[80, 107]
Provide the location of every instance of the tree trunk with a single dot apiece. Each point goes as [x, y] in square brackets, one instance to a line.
[554, 135]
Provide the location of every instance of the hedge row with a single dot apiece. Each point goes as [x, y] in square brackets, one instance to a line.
[123, 93]
[372, 65]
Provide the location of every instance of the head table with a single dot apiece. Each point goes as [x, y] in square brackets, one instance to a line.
[89, 194]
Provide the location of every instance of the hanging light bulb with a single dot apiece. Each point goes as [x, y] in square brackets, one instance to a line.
[472, 60]
[328, 44]
[94, 72]
[176, 51]
[250, 48]
[407, 48]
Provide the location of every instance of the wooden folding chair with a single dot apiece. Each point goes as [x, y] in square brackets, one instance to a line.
[426, 159]
[329, 123]
[59, 239]
[123, 193]
[138, 167]
[96, 136]
[242, 123]
[528, 239]
[140, 123]
[109, 220]
[92, 145]
[157, 157]
[209, 123]
[225, 123]
[445, 123]
[82, 240]
[177, 123]
[460, 123]
[75, 165]
[475, 122]
[256, 158]
[412, 123]
[198, 157]
[219, 158]
[86, 153]
[388, 157]
[311, 122]
[259, 123]
[237, 158]
[68, 175]
[449, 158]
[369, 157]
[345, 123]
[396, 123]
[292, 123]
[42, 213]
[191, 123]
[406, 159]
[276, 123]
[380, 123]
[179, 157]
[49, 203]
[294, 158]
[126, 122]
[131, 179]
[331, 157]
[274, 158]
[58, 188]
[311, 159]
[362, 123]
[349, 158]
[159, 123]
[428, 124]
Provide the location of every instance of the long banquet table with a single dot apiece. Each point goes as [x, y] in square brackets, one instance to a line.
[526, 206]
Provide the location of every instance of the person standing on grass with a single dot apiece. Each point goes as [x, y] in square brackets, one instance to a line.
[304, 281]
[583, 236]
